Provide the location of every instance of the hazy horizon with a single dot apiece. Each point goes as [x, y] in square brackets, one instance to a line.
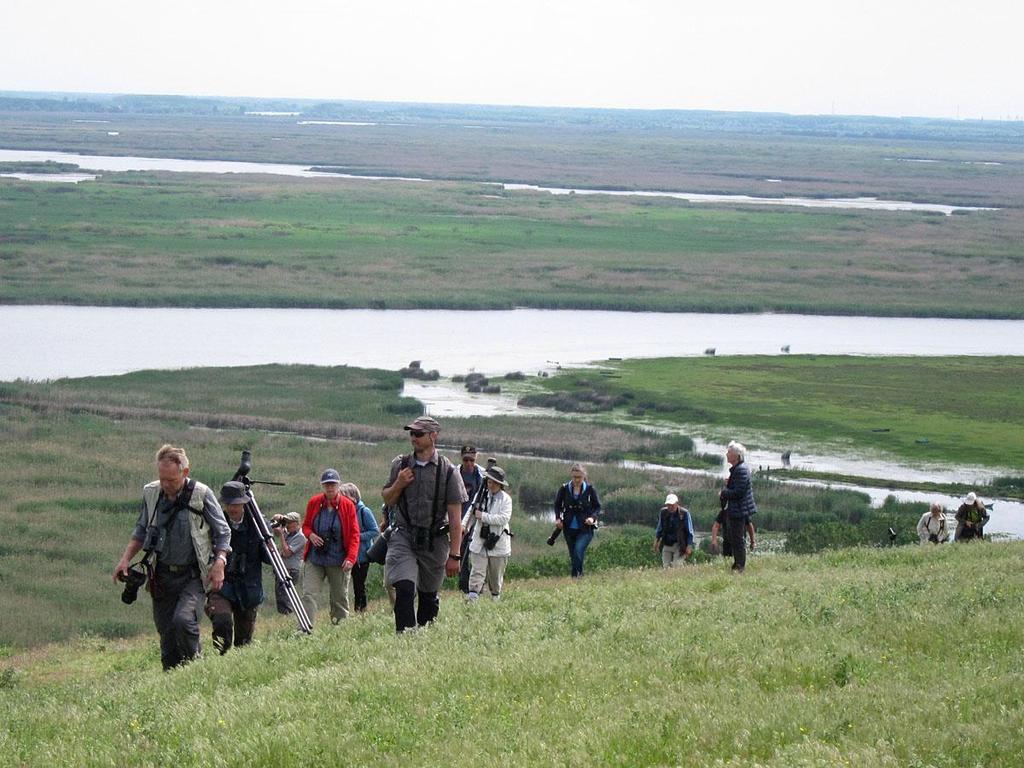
[938, 59]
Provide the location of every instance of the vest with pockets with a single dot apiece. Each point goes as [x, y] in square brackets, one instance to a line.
[201, 534]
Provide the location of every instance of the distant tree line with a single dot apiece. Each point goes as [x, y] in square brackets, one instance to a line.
[661, 120]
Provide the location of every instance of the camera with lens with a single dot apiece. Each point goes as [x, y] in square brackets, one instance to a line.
[133, 579]
[276, 522]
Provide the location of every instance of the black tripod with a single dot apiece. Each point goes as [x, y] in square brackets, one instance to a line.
[480, 499]
[280, 571]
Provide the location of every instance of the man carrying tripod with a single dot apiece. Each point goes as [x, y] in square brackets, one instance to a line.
[232, 608]
[186, 539]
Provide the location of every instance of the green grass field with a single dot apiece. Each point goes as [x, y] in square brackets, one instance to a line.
[969, 410]
[861, 657]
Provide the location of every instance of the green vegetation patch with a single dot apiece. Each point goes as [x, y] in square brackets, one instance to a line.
[956, 410]
[279, 242]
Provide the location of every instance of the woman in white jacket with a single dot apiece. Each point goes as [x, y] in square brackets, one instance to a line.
[932, 526]
[491, 545]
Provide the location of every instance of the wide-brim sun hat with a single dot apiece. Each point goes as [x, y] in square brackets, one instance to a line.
[233, 492]
[497, 474]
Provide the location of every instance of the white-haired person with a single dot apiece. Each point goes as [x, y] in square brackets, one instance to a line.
[971, 518]
[491, 543]
[738, 503]
[931, 528]
[368, 531]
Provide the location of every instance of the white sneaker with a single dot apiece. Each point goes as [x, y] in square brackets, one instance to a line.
[495, 598]
[471, 597]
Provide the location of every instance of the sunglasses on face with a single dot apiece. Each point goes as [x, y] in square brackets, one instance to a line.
[417, 432]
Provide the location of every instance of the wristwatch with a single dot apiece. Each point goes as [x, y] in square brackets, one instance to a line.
[222, 557]
[454, 557]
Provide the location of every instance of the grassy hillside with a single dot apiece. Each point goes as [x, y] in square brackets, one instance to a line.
[72, 462]
[906, 657]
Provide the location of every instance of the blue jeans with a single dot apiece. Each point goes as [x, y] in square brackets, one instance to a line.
[577, 539]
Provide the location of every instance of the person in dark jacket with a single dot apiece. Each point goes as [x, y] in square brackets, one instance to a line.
[971, 517]
[738, 499]
[232, 609]
[473, 481]
[576, 509]
[673, 538]
[368, 531]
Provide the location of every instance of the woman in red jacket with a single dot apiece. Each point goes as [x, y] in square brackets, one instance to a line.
[332, 548]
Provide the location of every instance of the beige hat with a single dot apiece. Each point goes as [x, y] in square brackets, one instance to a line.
[671, 499]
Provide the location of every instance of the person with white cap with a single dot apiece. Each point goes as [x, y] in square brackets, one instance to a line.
[971, 518]
[491, 544]
[673, 537]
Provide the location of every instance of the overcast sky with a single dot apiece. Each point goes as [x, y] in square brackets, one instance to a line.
[883, 57]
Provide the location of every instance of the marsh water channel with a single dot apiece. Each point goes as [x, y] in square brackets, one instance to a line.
[126, 163]
[48, 342]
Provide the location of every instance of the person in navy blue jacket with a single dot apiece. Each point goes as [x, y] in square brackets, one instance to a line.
[576, 509]
[368, 531]
[738, 499]
[232, 609]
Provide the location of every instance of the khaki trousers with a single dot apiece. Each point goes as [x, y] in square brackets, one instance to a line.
[337, 578]
[489, 568]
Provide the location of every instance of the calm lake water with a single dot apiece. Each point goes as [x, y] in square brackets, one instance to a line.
[40, 342]
[46, 342]
[114, 163]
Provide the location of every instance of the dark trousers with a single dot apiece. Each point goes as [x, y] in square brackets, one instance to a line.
[230, 622]
[577, 540]
[176, 601]
[735, 532]
[407, 615]
[359, 571]
[284, 603]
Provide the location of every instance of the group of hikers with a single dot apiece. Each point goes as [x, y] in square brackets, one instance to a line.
[971, 516]
[204, 552]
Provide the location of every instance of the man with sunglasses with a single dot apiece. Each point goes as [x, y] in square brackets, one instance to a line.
[428, 494]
